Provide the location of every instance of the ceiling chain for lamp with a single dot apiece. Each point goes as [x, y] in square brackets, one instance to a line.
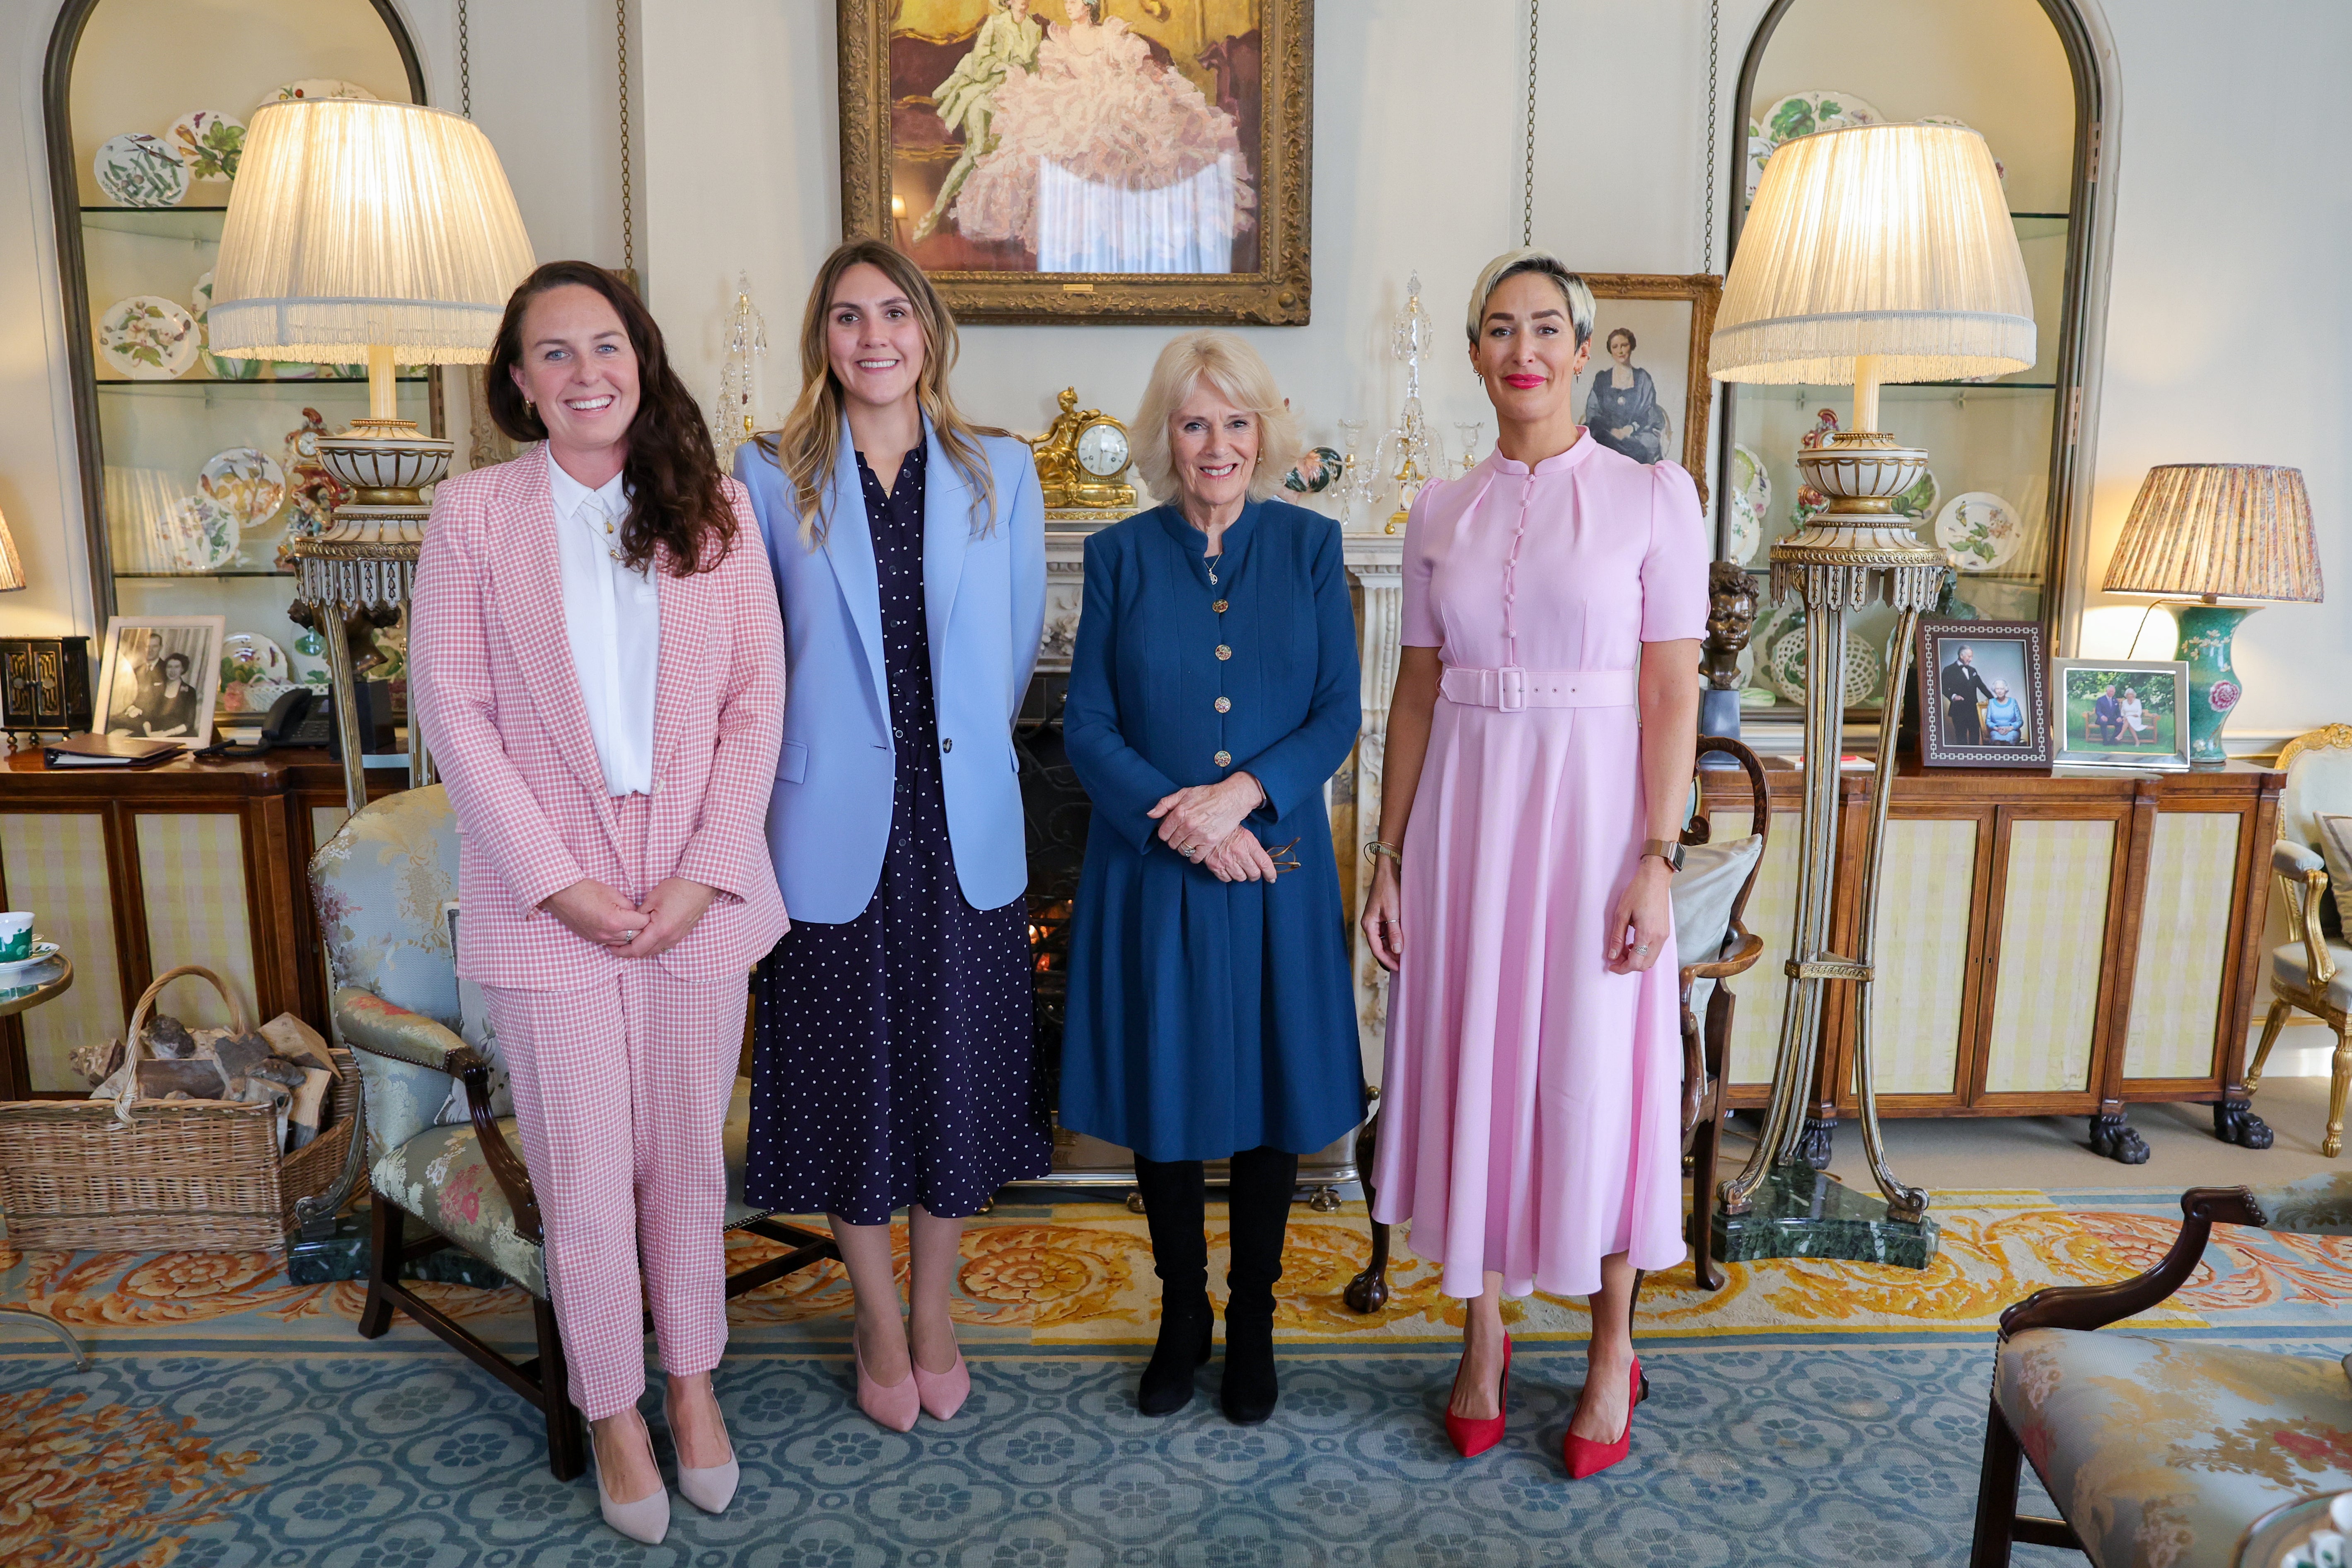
[465, 66]
[1714, 44]
[1528, 193]
[628, 215]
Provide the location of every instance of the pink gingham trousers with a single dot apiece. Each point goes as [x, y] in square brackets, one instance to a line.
[621, 1092]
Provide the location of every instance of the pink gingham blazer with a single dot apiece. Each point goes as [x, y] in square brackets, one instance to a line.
[491, 676]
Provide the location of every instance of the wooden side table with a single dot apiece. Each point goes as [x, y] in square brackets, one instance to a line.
[53, 979]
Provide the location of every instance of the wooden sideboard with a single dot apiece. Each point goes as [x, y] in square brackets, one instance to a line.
[137, 871]
[2049, 943]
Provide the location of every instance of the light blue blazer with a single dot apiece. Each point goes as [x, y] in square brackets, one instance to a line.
[985, 600]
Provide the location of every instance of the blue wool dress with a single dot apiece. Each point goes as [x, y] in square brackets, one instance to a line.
[1209, 1017]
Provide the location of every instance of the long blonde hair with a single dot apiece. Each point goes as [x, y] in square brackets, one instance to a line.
[809, 444]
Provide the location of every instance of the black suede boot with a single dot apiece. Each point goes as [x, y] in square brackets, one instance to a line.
[1262, 1181]
[1173, 1207]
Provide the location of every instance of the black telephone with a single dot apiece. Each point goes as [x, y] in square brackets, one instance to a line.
[300, 718]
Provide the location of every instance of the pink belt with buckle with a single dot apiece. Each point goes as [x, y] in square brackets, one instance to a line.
[1513, 688]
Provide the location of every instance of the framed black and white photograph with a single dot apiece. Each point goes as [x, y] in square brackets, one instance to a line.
[1984, 695]
[2123, 713]
[1645, 390]
[161, 677]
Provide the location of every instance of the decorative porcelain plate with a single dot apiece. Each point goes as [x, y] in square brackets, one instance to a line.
[199, 536]
[1751, 503]
[140, 170]
[1918, 503]
[223, 368]
[2312, 1533]
[315, 86]
[208, 142]
[249, 656]
[43, 952]
[1801, 114]
[1785, 661]
[247, 483]
[1982, 528]
[148, 338]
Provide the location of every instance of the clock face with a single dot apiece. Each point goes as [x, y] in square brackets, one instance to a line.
[1102, 450]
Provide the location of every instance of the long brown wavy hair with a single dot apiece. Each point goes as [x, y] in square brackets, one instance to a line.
[809, 442]
[672, 473]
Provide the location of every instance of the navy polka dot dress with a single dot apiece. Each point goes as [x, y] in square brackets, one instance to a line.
[895, 1062]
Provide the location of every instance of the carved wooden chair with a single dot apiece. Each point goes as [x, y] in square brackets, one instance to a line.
[2161, 1452]
[2309, 974]
[381, 884]
[1710, 895]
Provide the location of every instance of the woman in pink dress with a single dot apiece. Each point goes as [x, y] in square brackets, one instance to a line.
[1539, 761]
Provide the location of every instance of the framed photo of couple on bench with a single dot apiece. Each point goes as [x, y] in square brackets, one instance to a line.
[1984, 699]
[2123, 713]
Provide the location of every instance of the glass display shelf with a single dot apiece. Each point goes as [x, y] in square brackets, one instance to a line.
[196, 377]
[177, 207]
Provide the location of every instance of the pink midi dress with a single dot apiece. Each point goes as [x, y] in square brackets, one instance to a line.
[1530, 1121]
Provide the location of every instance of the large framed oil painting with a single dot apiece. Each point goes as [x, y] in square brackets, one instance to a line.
[1058, 160]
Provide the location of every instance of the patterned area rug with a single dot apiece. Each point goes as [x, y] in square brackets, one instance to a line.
[1809, 1412]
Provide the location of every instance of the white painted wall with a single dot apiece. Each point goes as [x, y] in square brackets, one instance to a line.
[2225, 340]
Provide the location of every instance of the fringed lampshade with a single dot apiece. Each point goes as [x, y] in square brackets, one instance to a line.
[2227, 536]
[12, 565]
[1886, 243]
[2219, 531]
[356, 223]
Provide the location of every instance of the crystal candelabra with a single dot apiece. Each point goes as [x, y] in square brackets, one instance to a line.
[1415, 454]
[731, 418]
[1353, 484]
[1469, 430]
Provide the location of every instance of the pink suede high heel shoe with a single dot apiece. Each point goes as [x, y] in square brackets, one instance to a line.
[943, 1393]
[894, 1404]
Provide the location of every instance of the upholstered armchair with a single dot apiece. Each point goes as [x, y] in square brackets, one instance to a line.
[2308, 974]
[382, 885]
[2161, 1452]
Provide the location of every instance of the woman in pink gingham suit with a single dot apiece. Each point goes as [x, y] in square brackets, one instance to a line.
[598, 665]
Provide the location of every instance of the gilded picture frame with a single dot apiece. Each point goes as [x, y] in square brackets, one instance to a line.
[903, 142]
[1670, 317]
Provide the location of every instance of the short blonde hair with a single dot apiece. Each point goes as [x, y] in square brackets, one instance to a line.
[1240, 377]
[1510, 264]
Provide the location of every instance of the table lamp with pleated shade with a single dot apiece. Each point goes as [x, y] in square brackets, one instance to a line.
[361, 225]
[12, 565]
[2225, 538]
[357, 224]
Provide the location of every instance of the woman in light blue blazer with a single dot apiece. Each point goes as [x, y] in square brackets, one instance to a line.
[893, 1060]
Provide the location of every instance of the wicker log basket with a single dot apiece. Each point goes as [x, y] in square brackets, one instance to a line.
[179, 1175]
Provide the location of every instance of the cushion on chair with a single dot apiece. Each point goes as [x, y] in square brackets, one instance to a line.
[1704, 890]
[441, 1176]
[2291, 966]
[2336, 846]
[2160, 1452]
[2315, 1206]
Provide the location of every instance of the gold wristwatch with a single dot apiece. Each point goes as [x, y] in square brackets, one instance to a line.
[1665, 849]
[1375, 849]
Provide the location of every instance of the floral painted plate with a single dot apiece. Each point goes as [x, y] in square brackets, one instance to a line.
[140, 170]
[223, 367]
[315, 86]
[1785, 659]
[1801, 114]
[148, 338]
[249, 656]
[1751, 503]
[1982, 528]
[247, 483]
[199, 536]
[209, 144]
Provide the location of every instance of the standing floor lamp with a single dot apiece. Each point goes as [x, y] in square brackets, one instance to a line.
[1881, 253]
[389, 226]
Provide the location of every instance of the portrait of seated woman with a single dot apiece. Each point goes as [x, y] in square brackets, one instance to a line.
[1623, 410]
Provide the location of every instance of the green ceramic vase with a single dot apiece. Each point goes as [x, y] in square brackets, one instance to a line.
[2213, 688]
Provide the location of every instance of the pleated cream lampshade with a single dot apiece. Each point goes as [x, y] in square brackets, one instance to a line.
[357, 223]
[2220, 531]
[1890, 243]
[12, 565]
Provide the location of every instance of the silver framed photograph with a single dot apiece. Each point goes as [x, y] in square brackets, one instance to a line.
[162, 678]
[2122, 713]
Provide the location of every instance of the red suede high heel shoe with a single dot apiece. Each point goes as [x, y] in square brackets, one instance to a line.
[1471, 1437]
[1586, 1458]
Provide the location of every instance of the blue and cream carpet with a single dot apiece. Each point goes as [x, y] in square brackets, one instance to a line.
[1809, 1413]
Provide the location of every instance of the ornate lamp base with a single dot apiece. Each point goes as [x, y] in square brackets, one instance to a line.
[1800, 1212]
[2206, 633]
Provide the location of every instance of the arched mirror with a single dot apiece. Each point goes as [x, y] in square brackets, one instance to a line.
[2001, 494]
[194, 468]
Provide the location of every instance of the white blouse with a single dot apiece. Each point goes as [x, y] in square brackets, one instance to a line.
[613, 616]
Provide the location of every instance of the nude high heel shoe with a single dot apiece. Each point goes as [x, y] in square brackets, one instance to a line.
[710, 1488]
[942, 1392]
[646, 1521]
[894, 1404]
